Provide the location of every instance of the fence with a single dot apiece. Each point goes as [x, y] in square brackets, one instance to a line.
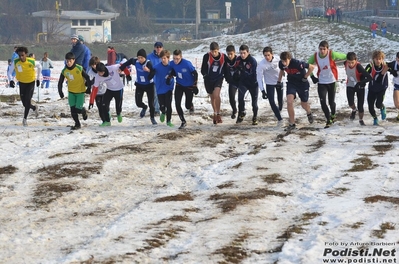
[365, 18]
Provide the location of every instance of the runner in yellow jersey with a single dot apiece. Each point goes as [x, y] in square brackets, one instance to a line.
[77, 82]
[25, 74]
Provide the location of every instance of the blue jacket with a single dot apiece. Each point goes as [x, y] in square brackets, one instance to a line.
[86, 58]
[185, 73]
[247, 69]
[79, 51]
[154, 58]
[161, 74]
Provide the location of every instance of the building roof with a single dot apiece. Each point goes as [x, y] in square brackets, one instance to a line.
[69, 15]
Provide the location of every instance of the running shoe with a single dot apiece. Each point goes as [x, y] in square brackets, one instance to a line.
[310, 118]
[353, 115]
[383, 113]
[183, 125]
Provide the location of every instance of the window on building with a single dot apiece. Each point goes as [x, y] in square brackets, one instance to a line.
[90, 22]
[75, 22]
[82, 22]
[99, 22]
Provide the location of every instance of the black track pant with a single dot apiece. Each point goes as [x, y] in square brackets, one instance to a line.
[118, 96]
[26, 92]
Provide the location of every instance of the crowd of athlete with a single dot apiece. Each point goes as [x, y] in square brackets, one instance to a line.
[160, 78]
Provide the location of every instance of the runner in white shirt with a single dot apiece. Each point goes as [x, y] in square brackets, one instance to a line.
[109, 75]
[267, 74]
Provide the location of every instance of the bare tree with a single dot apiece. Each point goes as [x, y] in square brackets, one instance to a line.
[186, 3]
[142, 19]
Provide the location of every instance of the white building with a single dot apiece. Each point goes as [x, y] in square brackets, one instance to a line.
[94, 26]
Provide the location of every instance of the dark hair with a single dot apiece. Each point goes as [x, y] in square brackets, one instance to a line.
[397, 55]
[323, 44]
[230, 48]
[69, 56]
[267, 49]
[22, 49]
[101, 67]
[285, 55]
[164, 53]
[214, 46]
[177, 52]
[244, 47]
[351, 56]
[30, 55]
[94, 61]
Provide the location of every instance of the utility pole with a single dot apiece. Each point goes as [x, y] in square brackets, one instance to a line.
[197, 17]
[127, 9]
[249, 10]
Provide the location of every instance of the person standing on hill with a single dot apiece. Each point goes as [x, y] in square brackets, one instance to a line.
[328, 14]
[333, 13]
[27, 77]
[383, 28]
[373, 29]
[339, 14]
[47, 65]
[327, 73]
[267, 74]
[212, 69]
[297, 83]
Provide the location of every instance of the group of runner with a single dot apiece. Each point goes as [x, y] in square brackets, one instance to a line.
[160, 78]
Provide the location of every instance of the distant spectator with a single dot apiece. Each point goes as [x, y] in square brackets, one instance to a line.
[13, 57]
[87, 54]
[111, 56]
[333, 13]
[383, 28]
[339, 14]
[47, 65]
[13, 72]
[328, 14]
[373, 29]
[78, 49]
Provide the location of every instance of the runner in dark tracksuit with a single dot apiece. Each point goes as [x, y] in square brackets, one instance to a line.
[231, 77]
[248, 82]
[378, 85]
[357, 77]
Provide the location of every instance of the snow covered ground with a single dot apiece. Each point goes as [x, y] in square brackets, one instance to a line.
[138, 193]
